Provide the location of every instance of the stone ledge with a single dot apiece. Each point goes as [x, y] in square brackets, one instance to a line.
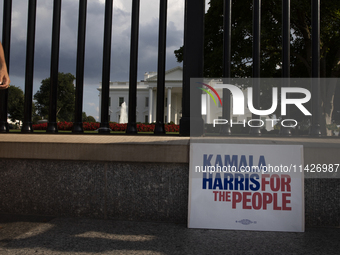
[95, 148]
[316, 150]
[162, 149]
[305, 141]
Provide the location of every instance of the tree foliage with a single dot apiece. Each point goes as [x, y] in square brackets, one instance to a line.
[88, 118]
[65, 97]
[16, 101]
[271, 40]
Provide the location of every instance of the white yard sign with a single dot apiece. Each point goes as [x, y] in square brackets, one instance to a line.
[246, 187]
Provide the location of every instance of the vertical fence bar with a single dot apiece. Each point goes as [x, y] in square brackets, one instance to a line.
[256, 61]
[132, 126]
[286, 39]
[104, 125]
[286, 131]
[52, 117]
[192, 65]
[78, 116]
[6, 43]
[27, 124]
[225, 129]
[159, 127]
[315, 127]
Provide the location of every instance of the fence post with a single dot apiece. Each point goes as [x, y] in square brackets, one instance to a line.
[132, 126]
[104, 122]
[27, 124]
[52, 126]
[192, 65]
[78, 116]
[315, 128]
[255, 131]
[225, 129]
[6, 43]
[286, 131]
[159, 127]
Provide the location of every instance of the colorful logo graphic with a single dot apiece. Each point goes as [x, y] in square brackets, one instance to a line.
[209, 93]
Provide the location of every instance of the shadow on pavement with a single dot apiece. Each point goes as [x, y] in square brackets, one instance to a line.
[42, 235]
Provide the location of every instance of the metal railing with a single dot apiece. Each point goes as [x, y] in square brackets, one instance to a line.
[192, 65]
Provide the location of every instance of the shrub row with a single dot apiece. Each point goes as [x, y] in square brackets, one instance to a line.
[91, 126]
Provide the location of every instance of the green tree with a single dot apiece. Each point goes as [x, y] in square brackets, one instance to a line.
[16, 101]
[65, 97]
[88, 118]
[84, 116]
[271, 40]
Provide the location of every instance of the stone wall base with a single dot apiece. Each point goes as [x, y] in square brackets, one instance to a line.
[125, 191]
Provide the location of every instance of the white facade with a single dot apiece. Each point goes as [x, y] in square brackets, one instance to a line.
[147, 96]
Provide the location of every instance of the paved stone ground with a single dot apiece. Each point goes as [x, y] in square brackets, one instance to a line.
[46, 235]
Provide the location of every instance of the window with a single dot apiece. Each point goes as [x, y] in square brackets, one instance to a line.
[121, 100]
[146, 119]
[147, 102]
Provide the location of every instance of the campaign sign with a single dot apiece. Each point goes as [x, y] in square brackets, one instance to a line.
[246, 187]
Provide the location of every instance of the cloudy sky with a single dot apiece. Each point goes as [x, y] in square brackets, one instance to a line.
[120, 56]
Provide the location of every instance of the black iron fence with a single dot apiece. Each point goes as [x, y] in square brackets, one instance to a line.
[192, 66]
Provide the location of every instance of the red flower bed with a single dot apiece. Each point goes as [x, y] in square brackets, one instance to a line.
[91, 126]
[118, 127]
[65, 125]
[172, 128]
[145, 127]
[42, 126]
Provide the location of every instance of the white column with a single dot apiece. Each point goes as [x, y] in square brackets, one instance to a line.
[176, 108]
[150, 104]
[100, 105]
[154, 105]
[208, 108]
[169, 104]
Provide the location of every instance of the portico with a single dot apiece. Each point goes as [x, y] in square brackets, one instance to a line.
[147, 97]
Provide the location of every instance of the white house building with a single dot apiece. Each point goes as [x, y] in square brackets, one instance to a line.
[147, 96]
[147, 100]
